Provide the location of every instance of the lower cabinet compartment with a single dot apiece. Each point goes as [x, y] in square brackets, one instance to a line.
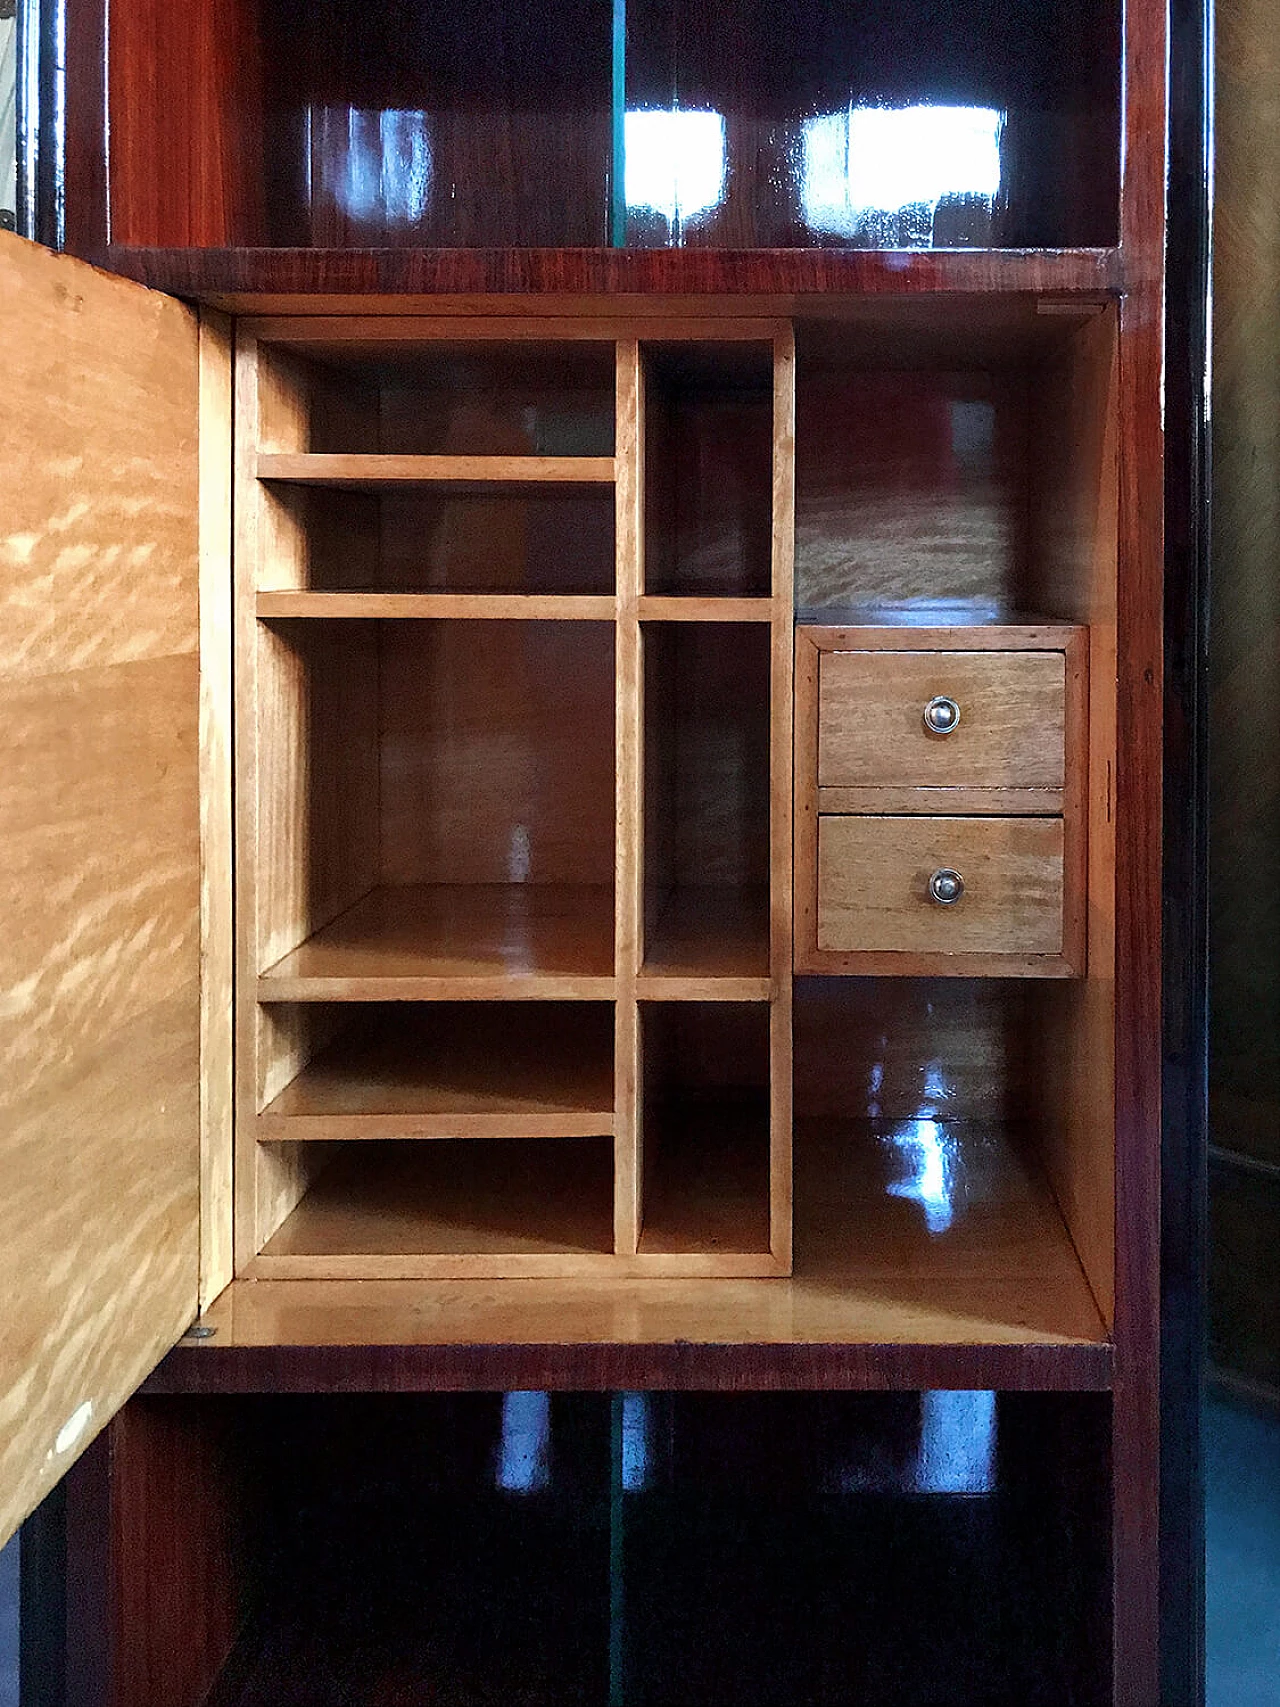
[907, 1549]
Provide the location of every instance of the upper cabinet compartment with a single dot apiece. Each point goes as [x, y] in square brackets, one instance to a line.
[649, 124]
[886, 124]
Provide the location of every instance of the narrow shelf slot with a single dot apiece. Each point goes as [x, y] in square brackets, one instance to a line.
[536, 1070]
[706, 856]
[707, 1187]
[705, 1132]
[708, 470]
[708, 944]
[465, 941]
[368, 472]
[383, 1208]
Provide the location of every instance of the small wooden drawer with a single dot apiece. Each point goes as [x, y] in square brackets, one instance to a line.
[874, 886]
[995, 790]
[1008, 714]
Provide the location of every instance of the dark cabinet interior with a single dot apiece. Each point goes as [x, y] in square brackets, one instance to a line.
[659, 123]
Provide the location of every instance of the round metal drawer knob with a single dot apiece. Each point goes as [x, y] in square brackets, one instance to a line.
[946, 887]
[941, 715]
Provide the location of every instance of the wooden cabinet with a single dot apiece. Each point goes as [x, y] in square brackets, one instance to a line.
[587, 822]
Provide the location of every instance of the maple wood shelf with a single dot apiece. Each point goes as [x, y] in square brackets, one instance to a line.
[478, 942]
[708, 944]
[541, 1071]
[381, 606]
[366, 473]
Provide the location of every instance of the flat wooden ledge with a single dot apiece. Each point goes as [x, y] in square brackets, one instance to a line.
[680, 1366]
[334, 280]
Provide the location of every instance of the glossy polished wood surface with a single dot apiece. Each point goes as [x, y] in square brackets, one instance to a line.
[343, 126]
[901, 1281]
[796, 157]
[538, 1071]
[100, 813]
[293, 281]
[457, 941]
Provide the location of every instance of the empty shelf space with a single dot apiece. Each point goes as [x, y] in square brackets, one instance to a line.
[709, 470]
[455, 607]
[707, 944]
[707, 1181]
[367, 472]
[511, 1207]
[466, 941]
[536, 1070]
[550, 539]
[937, 1232]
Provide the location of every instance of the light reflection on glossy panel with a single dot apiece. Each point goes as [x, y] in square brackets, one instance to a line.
[453, 126]
[898, 124]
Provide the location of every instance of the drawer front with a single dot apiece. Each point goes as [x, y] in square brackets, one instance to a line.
[1010, 734]
[874, 876]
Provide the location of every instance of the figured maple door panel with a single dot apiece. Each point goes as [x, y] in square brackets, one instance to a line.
[99, 853]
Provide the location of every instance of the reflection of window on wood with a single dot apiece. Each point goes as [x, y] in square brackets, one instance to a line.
[8, 114]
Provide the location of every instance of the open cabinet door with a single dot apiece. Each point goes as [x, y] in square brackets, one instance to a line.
[99, 853]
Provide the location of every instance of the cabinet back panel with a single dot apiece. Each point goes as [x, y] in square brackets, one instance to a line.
[446, 127]
[788, 166]
[910, 487]
[706, 754]
[708, 470]
[497, 753]
[317, 830]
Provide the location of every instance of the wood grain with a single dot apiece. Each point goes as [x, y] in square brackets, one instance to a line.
[452, 607]
[537, 1071]
[888, 1309]
[248, 281]
[495, 752]
[348, 471]
[781, 797]
[871, 726]
[873, 888]
[100, 1029]
[708, 944]
[1074, 530]
[217, 830]
[631, 801]
[456, 942]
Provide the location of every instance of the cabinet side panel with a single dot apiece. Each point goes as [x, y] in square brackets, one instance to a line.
[217, 946]
[1074, 558]
[100, 832]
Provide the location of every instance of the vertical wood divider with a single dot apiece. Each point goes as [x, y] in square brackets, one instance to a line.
[629, 735]
[246, 548]
[217, 944]
[780, 797]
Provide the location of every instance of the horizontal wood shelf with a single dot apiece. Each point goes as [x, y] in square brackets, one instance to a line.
[311, 280]
[883, 1296]
[544, 1072]
[475, 1209]
[460, 942]
[708, 945]
[454, 607]
[479, 473]
[681, 607]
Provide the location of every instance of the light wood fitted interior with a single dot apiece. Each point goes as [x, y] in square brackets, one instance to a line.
[515, 638]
